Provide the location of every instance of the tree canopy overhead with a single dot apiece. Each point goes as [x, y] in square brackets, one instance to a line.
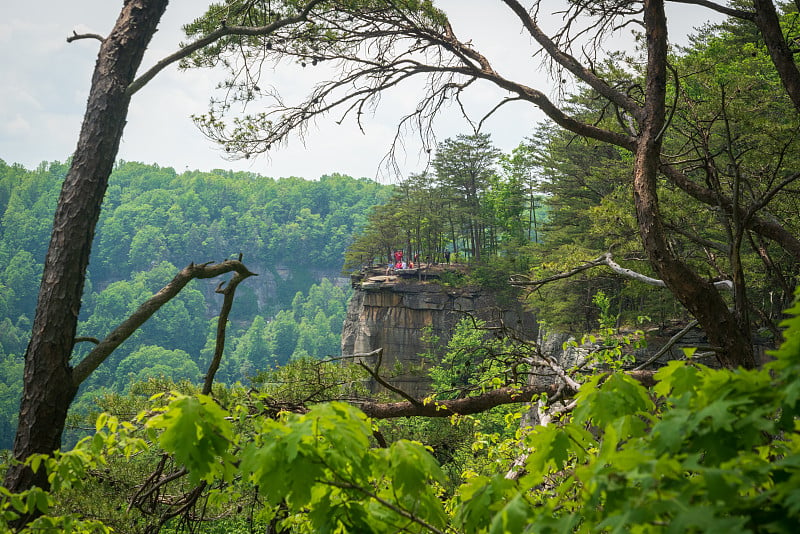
[379, 45]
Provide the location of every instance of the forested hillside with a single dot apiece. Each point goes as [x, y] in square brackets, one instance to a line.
[292, 232]
[662, 193]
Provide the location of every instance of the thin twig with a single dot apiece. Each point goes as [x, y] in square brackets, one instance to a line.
[674, 339]
[76, 36]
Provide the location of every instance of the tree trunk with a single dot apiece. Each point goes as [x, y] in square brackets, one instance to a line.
[49, 387]
[698, 295]
[782, 57]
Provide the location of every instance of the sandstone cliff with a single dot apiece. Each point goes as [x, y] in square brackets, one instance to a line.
[394, 312]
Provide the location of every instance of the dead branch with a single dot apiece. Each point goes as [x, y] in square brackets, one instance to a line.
[222, 322]
[377, 377]
[154, 483]
[606, 260]
[674, 339]
[76, 36]
[147, 309]
[517, 280]
[546, 415]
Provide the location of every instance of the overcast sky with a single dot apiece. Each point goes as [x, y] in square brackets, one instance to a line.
[46, 82]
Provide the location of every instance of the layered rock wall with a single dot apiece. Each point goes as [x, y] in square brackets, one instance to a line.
[393, 314]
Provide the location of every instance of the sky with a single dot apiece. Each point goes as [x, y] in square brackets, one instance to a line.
[46, 82]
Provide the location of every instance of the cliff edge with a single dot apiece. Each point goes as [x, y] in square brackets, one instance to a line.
[403, 311]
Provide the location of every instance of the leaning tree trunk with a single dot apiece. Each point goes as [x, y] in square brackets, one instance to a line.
[49, 387]
[699, 296]
[768, 22]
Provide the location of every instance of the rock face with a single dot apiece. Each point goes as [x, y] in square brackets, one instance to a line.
[395, 313]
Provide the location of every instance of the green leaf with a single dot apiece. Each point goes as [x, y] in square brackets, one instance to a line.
[720, 414]
[676, 378]
[618, 396]
[196, 431]
[552, 450]
[513, 518]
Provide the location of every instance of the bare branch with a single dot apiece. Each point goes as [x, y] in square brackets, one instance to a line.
[147, 309]
[606, 260]
[465, 406]
[571, 64]
[379, 379]
[663, 350]
[765, 227]
[725, 10]
[76, 36]
[476, 404]
[769, 195]
[517, 281]
[696, 238]
[222, 323]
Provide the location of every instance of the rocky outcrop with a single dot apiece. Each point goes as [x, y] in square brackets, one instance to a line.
[395, 312]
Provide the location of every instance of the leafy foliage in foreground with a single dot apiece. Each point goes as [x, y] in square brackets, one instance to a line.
[705, 450]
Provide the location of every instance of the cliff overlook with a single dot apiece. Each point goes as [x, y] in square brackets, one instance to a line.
[411, 313]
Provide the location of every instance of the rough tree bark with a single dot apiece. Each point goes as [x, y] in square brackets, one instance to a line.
[48, 385]
[698, 295]
[766, 18]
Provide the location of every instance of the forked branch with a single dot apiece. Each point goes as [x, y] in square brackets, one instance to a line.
[228, 292]
[148, 308]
